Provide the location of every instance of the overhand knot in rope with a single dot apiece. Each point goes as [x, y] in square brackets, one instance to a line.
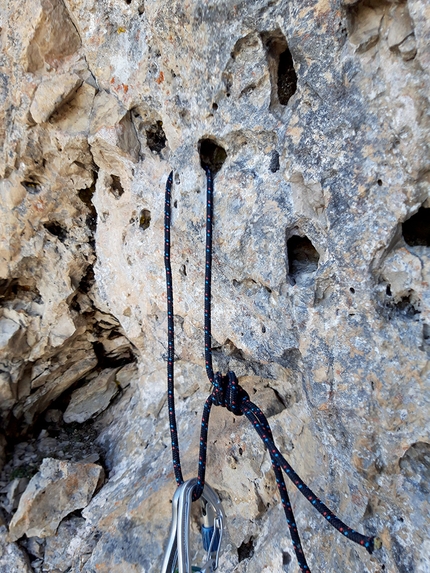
[228, 393]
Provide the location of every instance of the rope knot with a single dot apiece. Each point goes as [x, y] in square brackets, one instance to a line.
[228, 393]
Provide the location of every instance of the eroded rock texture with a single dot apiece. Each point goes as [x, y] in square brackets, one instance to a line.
[315, 116]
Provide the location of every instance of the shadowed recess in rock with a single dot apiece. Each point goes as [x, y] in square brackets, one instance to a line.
[57, 230]
[144, 219]
[32, 187]
[274, 162]
[116, 188]
[416, 230]
[281, 67]
[246, 549]
[155, 137]
[212, 155]
[302, 257]
[286, 560]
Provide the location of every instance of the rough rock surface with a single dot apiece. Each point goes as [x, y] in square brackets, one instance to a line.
[59, 488]
[93, 398]
[316, 114]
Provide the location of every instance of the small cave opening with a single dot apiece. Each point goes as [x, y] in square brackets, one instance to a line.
[246, 549]
[281, 67]
[416, 230]
[155, 137]
[57, 230]
[303, 257]
[116, 187]
[144, 219]
[212, 155]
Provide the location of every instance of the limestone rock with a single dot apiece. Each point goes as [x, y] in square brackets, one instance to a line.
[54, 36]
[316, 114]
[14, 490]
[92, 398]
[12, 557]
[400, 27]
[59, 549]
[55, 491]
[53, 93]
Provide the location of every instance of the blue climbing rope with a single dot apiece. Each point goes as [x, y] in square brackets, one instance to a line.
[226, 392]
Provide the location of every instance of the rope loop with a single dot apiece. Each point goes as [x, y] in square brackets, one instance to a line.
[228, 393]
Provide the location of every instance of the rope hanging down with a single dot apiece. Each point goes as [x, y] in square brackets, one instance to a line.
[229, 394]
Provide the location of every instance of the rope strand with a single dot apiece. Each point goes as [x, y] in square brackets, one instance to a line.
[226, 392]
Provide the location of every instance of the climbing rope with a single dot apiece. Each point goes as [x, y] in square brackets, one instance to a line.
[227, 392]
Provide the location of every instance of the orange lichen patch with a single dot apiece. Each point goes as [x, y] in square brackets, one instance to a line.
[160, 78]
[125, 88]
[121, 30]
[112, 81]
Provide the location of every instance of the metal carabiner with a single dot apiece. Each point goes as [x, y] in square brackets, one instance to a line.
[177, 556]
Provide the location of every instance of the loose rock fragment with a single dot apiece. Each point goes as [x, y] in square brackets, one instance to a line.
[55, 491]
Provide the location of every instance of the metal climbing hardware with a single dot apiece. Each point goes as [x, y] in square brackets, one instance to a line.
[177, 556]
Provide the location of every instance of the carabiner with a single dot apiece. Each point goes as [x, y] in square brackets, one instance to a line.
[177, 556]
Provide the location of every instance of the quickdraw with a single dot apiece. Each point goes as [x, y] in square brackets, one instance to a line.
[226, 392]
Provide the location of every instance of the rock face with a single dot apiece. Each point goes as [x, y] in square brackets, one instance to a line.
[55, 491]
[315, 116]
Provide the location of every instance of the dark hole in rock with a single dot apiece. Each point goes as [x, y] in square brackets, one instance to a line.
[215, 106]
[281, 67]
[246, 550]
[379, 182]
[415, 466]
[212, 155]
[112, 361]
[416, 230]
[86, 196]
[116, 187]
[128, 1]
[408, 305]
[302, 257]
[144, 219]
[56, 229]
[274, 162]
[155, 137]
[88, 280]
[352, 290]
[286, 558]
[287, 78]
[32, 187]
[388, 290]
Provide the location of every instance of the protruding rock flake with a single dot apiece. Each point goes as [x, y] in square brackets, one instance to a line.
[310, 120]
